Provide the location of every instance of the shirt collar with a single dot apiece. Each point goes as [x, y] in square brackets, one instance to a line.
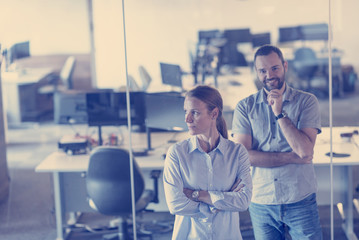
[194, 144]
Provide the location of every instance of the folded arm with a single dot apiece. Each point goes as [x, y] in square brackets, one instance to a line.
[238, 196]
[300, 140]
[270, 159]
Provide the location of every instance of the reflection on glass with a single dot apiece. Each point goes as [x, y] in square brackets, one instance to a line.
[191, 34]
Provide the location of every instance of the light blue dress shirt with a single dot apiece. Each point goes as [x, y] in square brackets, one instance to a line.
[188, 166]
[292, 182]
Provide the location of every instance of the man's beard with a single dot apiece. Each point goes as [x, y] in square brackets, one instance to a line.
[280, 82]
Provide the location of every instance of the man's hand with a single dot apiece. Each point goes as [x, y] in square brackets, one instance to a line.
[299, 160]
[275, 100]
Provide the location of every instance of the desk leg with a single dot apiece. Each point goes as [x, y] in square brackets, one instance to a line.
[348, 207]
[58, 206]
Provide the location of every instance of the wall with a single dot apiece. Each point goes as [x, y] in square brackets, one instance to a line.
[160, 30]
[52, 27]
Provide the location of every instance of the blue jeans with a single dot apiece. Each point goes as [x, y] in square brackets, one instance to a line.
[300, 218]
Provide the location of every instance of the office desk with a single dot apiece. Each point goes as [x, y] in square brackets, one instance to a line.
[69, 176]
[70, 184]
[70, 188]
[20, 93]
[342, 173]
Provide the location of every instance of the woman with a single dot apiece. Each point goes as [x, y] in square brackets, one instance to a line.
[206, 177]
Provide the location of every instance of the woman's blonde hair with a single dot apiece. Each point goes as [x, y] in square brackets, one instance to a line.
[213, 99]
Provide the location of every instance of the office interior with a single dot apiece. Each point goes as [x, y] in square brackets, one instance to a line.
[86, 43]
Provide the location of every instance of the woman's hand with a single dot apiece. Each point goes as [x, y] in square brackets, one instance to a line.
[188, 192]
[237, 187]
[203, 196]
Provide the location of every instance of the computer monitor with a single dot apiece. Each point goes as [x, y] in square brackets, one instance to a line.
[260, 39]
[206, 35]
[70, 107]
[171, 74]
[108, 108]
[289, 34]
[238, 35]
[19, 50]
[164, 110]
[314, 31]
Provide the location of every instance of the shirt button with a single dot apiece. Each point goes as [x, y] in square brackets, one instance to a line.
[273, 123]
[273, 137]
[275, 179]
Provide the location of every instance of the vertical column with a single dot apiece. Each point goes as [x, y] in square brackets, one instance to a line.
[4, 173]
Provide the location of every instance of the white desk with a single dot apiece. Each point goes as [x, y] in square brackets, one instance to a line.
[342, 173]
[70, 188]
[70, 184]
[69, 176]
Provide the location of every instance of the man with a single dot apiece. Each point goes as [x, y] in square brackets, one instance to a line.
[278, 126]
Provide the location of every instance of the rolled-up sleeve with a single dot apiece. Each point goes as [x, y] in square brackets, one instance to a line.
[240, 122]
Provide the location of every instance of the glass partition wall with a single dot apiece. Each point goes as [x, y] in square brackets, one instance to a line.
[213, 43]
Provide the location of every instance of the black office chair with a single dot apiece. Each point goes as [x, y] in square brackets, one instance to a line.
[109, 187]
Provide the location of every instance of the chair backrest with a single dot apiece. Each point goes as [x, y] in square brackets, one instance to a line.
[133, 84]
[67, 71]
[305, 62]
[145, 77]
[108, 180]
[304, 54]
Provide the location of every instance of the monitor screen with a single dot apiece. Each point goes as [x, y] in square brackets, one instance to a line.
[110, 109]
[19, 50]
[289, 34]
[171, 74]
[238, 35]
[260, 39]
[207, 35]
[164, 110]
[314, 31]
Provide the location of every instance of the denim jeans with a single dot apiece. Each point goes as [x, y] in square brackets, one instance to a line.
[300, 218]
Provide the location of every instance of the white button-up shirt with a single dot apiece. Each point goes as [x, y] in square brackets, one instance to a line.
[188, 166]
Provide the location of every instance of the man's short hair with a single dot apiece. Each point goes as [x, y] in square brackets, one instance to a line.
[267, 49]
